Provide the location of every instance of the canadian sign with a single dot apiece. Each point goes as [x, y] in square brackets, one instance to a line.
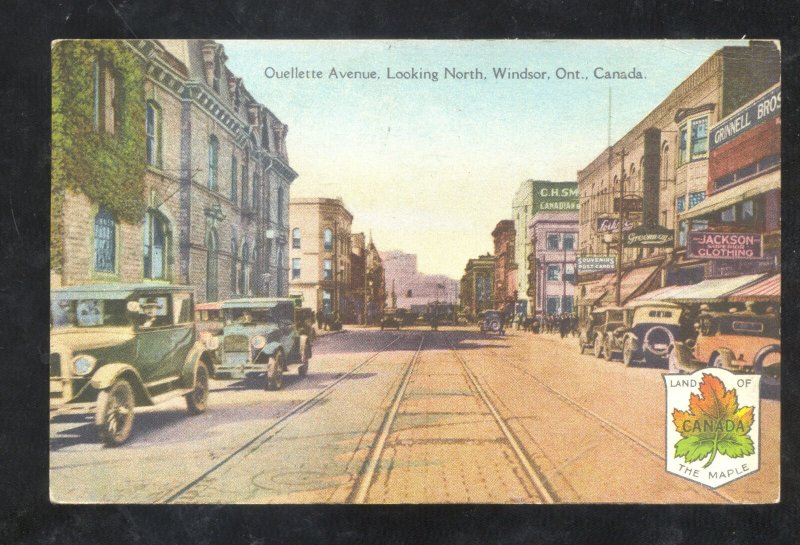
[611, 225]
[555, 197]
[712, 425]
[649, 237]
[760, 110]
[709, 245]
[596, 263]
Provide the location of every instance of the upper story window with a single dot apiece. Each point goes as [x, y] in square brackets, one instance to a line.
[213, 161]
[696, 198]
[569, 241]
[327, 239]
[105, 90]
[693, 140]
[553, 241]
[680, 204]
[153, 134]
[296, 238]
[553, 272]
[327, 269]
[683, 156]
[234, 179]
[295, 268]
[280, 206]
[105, 241]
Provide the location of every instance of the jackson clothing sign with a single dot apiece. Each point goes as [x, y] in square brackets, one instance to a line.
[707, 245]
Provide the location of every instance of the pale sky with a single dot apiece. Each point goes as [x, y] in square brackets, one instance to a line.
[431, 166]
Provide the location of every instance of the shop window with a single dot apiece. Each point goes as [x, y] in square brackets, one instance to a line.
[105, 240]
[553, 272]
[696, 198]
[553, 241]
[295, 268]
[296, 238]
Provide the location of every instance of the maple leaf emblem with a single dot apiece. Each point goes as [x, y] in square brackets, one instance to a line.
[714, 423]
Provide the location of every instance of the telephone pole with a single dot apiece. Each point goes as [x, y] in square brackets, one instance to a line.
[620, 218]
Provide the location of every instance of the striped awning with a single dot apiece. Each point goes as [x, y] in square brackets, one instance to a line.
[768, 289]
[597, 289]
[707, 291]
[631, 281]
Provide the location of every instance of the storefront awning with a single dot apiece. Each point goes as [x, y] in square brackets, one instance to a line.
[631, 281]
[729, 197]
[707, 291]
[768, 289]
[597, 289]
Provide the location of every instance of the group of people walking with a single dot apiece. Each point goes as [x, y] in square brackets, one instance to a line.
[564, 324]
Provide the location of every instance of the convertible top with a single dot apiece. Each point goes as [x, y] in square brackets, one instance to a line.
[115, 291]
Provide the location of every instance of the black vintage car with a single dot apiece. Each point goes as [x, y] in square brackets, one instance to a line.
[654, 327]
[390, 319]
[492, 321]
[609, 328]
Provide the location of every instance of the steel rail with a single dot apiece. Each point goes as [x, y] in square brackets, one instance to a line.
[367, 475]
[172, 496]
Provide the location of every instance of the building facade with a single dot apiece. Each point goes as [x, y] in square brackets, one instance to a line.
[477, 286]
[554, 243]
[368, 282]
[216, 181]
[411, 287]
[659, 170]
[321, 268]
[505, 266]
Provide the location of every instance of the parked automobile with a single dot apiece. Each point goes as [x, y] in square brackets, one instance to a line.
[492, 321]
[609, 332]
[390, 319]
[654, 327]
[260, 336]
[587, 331]
[120, 346]
[741, 342]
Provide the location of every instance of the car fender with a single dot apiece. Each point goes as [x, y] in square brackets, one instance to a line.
[269, 350]
[104, 377]
[765, 351]
[305, 342]
[727, 355]
[198, 354]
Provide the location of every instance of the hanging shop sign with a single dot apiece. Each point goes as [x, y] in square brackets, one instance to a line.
[649, 237]
[555, 197]
[710, 245]
[611, 225]
[629, 204]
[596, 263]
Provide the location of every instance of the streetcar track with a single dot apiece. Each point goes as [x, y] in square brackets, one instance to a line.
[364, 481]
[607, 424]
[174, 495]
[534, 475]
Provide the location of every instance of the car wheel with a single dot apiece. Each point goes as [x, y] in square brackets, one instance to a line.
[607, 353]
[303, 369]
[770, 374]
[717, 361]
[114, 417]
[598, 347]
[275, 372]
[197, 399]
[627, 352]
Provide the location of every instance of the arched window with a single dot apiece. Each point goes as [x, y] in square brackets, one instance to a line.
[213, 161]
[105, 241]
[280, 206]
[327, 239]
[234, 179]
[153, 134]
[234, 272]
[296, 238]
[156, 247]
[212, 245]
[665, 164]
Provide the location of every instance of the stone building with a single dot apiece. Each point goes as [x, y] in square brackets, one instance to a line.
[412, 287]
[661, 166]
[321, 268]
[216, 182]
[554, 244]
[477, 293]
[368, 283]
[505, 266]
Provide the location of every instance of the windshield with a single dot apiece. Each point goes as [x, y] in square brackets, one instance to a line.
[89, 313]
[248, 316]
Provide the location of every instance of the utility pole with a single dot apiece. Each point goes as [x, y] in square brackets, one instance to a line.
[620, 219]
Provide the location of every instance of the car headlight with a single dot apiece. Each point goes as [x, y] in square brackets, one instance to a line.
[83, 365]
[258, 342]
[212, 343]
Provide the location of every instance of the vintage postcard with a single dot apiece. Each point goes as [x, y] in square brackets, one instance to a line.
[529, 272]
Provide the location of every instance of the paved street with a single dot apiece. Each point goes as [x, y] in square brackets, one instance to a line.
[405, 417]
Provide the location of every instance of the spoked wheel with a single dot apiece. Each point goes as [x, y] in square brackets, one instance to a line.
[275, 372]
[114, 416]
[598, 347]
[197, 399]
[607, 353]
[627, 352]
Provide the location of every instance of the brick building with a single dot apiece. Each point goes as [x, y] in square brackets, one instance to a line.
[477, 286]
[368, 282]
[661, 165]
[505, 266]
[216, 183]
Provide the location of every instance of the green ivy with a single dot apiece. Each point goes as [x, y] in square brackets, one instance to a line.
[107, 167]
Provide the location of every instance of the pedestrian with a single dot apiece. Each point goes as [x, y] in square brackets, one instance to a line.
[319, 320]
[563, 325]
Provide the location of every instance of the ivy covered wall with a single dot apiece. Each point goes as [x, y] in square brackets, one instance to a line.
[108, 167]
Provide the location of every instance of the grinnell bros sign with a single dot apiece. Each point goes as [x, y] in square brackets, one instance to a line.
[709, 245]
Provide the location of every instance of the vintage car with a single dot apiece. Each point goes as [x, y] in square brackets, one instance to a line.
[654, 327]
[587, 330]
[260, 336]
[120, 346]
[736, 341]
[492, 321]
[390, 319]
[304, 322]
[609, 331]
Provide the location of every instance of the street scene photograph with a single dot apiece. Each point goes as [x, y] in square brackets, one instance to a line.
[415, 272]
